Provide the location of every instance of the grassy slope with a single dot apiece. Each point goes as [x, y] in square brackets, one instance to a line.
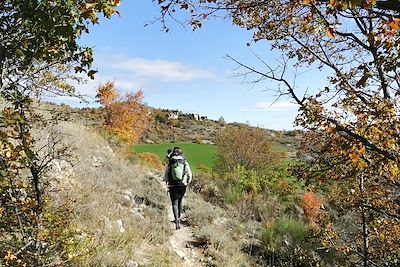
[195, 154]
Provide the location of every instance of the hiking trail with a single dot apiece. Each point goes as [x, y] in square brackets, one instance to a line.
[183, 242]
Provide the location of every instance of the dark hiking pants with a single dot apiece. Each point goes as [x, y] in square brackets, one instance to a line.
[176, 194]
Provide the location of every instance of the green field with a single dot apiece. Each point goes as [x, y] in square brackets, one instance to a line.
[195, 154]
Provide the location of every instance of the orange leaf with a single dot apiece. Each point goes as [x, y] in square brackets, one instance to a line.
[330, 32]
[394, 24]
[353, 156]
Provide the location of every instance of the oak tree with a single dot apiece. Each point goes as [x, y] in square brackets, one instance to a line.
[244, 146]
[126, 117]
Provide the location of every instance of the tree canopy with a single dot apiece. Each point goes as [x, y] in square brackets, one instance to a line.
[254, 152]
[38, 30]
[126, 117]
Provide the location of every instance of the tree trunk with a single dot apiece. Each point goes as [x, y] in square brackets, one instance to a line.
[364, 223]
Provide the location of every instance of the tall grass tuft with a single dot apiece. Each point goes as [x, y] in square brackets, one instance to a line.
[285, 243]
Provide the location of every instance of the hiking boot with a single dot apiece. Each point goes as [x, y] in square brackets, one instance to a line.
[177, 225]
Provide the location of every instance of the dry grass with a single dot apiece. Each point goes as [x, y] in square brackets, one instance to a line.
[218, 232]
[110, 194]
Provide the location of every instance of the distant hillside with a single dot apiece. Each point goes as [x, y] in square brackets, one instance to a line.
[171, 126]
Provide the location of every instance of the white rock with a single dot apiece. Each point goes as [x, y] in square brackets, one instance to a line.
[60, 170]
[109, 150]
[127, 192]
[120, 226]
[113, 225]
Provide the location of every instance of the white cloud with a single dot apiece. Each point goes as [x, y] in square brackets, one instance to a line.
[127, 85]
[161, 69]
[273, 106]
[132, 74]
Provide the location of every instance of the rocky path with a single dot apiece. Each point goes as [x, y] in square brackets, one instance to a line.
[182, 242]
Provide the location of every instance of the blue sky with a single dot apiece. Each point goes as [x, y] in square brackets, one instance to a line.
[182, 69]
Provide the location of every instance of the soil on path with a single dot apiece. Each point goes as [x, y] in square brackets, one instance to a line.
[183, 243]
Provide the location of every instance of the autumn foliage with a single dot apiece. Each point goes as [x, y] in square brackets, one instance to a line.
[311, 205]
[151, 160]
[38, 45]
[126, 117]
[244, 146]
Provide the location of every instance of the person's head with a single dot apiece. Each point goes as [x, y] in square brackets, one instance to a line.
[177, 150]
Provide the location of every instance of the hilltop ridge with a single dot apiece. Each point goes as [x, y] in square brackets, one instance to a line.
[169, 126]
[174, 126]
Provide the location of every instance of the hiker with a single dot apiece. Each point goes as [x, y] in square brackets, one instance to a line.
[177, 175]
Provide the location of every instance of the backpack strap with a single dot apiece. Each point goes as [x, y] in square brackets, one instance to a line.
[184, 169]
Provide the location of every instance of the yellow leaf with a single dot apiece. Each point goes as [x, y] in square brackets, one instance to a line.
[52, 50]
[10, 256]
[353, 156]
[362, 151]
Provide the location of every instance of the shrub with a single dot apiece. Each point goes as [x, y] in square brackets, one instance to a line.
[285, 241]
[248, 147]
[57, 240]
[160, 116]
[244, 180]
[283, 234]
[151, 160]
[311, 205]
[280, 182]
[231, 195]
